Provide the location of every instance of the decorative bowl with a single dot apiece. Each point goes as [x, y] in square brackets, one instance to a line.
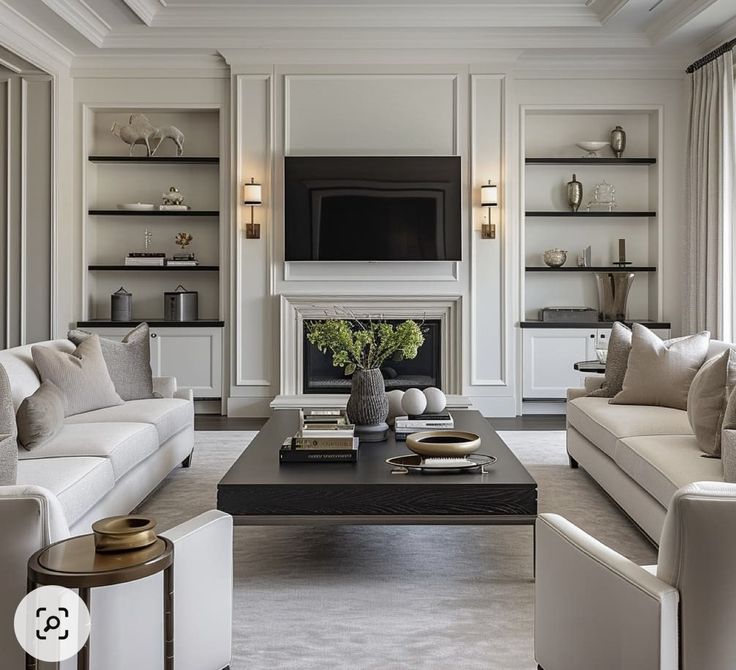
[136, 206]
[122, 533]
[592, 147]
[555, 258]
[443, 443]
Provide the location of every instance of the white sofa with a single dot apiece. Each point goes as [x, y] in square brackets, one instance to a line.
[639, 454]
[104, 462]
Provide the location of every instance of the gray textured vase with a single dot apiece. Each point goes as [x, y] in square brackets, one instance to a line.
[368, 403]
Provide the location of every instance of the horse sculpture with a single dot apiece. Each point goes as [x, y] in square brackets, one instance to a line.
[141, 131]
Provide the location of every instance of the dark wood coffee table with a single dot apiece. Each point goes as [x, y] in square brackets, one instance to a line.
[258, 491]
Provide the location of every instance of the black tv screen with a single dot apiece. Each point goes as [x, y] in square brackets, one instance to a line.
[395, 208]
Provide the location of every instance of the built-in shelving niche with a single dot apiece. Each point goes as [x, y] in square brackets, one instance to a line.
[550, 158]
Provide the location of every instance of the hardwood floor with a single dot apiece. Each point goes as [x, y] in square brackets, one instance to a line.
[531, 422]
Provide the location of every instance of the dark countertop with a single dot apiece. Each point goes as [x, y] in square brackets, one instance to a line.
[592, 324]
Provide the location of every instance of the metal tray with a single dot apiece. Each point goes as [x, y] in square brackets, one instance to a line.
[415, 463]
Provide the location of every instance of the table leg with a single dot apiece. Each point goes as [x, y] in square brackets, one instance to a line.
[83, 654]
[31, 662]
[169, 618]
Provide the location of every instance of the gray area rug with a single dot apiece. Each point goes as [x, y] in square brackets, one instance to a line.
[384, 597]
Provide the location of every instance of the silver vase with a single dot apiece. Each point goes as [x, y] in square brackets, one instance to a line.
[368, 403]
[618, 141]
[574, 194]
[613, 294]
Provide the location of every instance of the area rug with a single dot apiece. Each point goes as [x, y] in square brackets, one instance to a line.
[385, 597]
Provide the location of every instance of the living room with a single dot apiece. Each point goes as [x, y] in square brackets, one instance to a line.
[230, 224]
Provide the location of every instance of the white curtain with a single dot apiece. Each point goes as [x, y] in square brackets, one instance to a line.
[709, 298]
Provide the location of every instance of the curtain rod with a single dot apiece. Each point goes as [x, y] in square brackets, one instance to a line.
[711, 56]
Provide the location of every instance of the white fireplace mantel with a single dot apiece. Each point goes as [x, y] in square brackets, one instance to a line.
[295, 309]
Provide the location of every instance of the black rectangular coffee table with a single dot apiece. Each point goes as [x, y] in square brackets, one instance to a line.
[257, 490]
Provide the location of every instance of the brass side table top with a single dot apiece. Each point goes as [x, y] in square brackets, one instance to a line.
[73, 563]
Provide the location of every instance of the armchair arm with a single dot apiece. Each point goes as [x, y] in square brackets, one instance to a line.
[203, 582]
[164, 387]
[597, 609]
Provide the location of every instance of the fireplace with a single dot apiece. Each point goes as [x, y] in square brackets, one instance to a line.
[319, 375]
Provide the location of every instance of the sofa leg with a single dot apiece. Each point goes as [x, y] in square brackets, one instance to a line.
[188, 460]
[573, 462]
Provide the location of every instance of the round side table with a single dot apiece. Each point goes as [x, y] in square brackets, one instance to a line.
[75, 564]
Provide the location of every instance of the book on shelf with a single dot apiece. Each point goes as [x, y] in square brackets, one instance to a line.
[157, 260]
[173, 208]
[146, 254]
[179, 264]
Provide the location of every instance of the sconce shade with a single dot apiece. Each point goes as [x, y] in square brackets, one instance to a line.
[252, 194]
[488, 195]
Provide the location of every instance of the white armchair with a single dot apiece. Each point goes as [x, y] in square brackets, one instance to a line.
[597, 609]
[127, 620]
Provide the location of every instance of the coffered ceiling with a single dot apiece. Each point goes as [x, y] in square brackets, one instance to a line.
[676, 29]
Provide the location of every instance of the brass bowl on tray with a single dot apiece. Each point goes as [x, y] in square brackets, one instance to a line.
[123, 533]
[443, 443]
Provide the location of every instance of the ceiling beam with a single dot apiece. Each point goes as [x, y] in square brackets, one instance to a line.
[146, 10]
[606, 9]
[80, 16]
[671, 19]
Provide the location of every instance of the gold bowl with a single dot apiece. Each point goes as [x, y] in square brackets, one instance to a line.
[122, 533]
[443, 443]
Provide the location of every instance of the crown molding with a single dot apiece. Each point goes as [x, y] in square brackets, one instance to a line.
[675, 17]
[146, 10]
[586, 65]
[186, 66]
[80, 16]
[158, 14]
[605, 10]
[31, 43]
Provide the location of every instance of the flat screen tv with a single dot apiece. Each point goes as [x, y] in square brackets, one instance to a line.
[387, 208]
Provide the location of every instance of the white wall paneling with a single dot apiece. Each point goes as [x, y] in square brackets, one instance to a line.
[253, 317]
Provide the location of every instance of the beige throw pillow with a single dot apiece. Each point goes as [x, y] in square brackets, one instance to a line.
[81, 376]
[619, 347]
[660, 372]
[40, 416]
[707, 399]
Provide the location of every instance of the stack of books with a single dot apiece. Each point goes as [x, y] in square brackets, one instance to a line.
[324, 436]
[406, 425]
[145, 258]
[173, 208]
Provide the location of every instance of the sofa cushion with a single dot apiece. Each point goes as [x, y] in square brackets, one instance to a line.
[81, 376]
[660, 373]
[128, 361]
[604, 424]
[18, 363]
[661, 464]
[125, 444]
[78, 482]
[40, 416]
[168, 415]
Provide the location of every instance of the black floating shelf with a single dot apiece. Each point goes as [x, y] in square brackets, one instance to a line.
[154, 268]
[591, 161]
[153, 212]
[606, 268]
[593, 215]
[206, 160]
[154, 323]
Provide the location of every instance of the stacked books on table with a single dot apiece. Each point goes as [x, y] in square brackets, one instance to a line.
[324, 436]
[145, 258]
[406, 425]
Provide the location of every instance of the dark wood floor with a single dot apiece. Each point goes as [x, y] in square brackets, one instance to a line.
[530, 422]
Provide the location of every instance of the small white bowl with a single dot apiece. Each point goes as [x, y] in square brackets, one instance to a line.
[592, 147]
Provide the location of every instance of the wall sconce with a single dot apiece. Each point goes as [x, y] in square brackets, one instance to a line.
[253, 198]
[488, 199]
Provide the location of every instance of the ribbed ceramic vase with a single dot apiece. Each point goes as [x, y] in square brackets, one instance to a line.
[368, 403]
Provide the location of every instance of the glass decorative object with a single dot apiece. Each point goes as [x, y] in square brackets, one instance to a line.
[604, 197]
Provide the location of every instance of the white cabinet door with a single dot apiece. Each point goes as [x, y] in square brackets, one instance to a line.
[548, 358]
[192, 355]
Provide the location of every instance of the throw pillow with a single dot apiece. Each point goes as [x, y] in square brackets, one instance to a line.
[728, 439]
[40, 416]
[707, 399]
[660, 372]
[8, 444]
[128, 361]
[619, 346]
[81, 376]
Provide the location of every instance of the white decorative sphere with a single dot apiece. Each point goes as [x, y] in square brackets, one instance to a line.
[436, 400]
[394, 405]
[414, 402]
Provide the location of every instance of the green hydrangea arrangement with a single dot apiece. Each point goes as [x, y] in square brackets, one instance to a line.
[358, 345]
